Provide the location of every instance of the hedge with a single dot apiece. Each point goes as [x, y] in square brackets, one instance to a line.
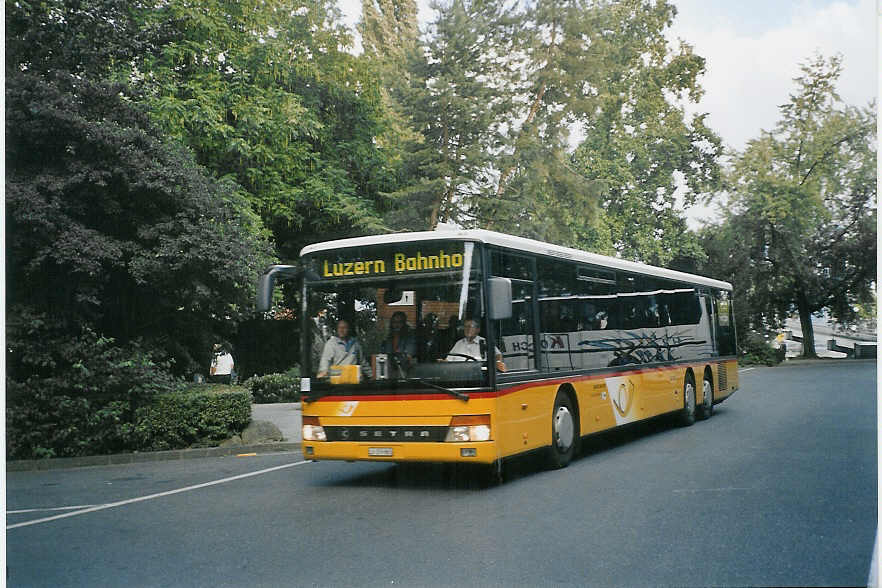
[200, 415]
[275, 387]
[196, 416]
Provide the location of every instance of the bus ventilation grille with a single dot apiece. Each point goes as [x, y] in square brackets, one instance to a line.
[724, 378]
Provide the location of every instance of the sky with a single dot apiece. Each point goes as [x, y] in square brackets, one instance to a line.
[753, 49]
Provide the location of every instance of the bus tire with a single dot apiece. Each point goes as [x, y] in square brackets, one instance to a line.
[564, 432]
[687, 414]
[494, 474]
[706, 410]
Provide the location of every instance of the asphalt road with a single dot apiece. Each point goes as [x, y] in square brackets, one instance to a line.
[778, 488]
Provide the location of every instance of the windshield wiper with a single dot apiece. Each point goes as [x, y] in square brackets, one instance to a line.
[455, 393]
[315, 395]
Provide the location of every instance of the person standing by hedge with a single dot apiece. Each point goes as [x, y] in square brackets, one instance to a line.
[221, 371]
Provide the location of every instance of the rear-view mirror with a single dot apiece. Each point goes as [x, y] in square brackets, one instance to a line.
[499, 298]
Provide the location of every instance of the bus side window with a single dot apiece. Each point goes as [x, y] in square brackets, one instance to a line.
[516, 334]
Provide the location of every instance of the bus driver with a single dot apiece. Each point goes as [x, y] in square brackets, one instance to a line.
[473, 346]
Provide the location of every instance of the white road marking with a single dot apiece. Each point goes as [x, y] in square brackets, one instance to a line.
[729, 489]
[746, 369]
[51, 509]
[873, 580]
[153, 496]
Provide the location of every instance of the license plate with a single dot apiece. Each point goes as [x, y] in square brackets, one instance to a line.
[380, 451]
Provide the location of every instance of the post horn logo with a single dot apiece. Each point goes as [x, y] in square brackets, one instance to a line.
[624, 397]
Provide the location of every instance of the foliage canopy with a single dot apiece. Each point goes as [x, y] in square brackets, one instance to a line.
[800, 233]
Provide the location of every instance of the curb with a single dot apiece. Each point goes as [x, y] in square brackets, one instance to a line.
[798, 361]
[58, 463]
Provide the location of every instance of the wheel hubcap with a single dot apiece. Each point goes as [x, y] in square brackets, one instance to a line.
[563, 428]
[690, 397]
[708, 394]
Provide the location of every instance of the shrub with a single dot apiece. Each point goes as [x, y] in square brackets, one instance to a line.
[200, 415]
[756, 349]
[72, 395]
[275, 387]
[83, 394]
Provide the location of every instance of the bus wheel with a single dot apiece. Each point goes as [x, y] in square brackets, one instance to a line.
[706, 410]
[564, 435]
[494, 473]
[687, 415]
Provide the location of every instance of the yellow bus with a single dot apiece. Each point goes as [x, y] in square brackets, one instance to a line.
[475, 346]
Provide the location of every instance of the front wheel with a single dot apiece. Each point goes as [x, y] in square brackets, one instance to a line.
[564, 432]
[687, 415]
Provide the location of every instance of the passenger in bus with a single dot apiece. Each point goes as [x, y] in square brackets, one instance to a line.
[400, 344]
[473, 346]
[340, 349]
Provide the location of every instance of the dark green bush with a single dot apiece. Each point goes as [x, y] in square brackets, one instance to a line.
[72, 395]
[757, 350]
[200, 415]
[275, 387]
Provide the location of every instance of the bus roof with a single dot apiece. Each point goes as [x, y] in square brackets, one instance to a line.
[517, 244]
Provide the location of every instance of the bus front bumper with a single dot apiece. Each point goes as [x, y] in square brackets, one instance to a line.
[476, 452]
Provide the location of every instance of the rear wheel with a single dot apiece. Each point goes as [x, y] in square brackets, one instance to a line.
[564, 432]
[706, 410]
[687, 415]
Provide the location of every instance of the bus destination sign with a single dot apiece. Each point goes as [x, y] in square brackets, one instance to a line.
[390, 262]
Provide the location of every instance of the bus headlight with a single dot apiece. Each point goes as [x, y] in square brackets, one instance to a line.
[312, 430]
[469, 428]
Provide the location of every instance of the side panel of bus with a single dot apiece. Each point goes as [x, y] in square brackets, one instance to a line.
[604, 401]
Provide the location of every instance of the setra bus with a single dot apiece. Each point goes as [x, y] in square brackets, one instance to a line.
[475, 346]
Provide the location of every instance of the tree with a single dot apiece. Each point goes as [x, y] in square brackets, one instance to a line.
[803, 207]
[453, 101]
[639, 142]
[536, 71]
[43, 37]
[113, 227]
[264, 92]
[539, 193]
[389, 31]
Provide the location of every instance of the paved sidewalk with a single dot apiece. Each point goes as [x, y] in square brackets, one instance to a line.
[285, 415]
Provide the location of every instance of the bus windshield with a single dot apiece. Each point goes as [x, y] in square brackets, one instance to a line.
[392, 318]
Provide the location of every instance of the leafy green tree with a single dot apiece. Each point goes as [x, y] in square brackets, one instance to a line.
[43, 37]
[389, 35]
[264, 93]
[603, 68]
[453, 100]
[639, 142]
[125, 260]
[539, 193]
[389, 31]
[802, 213]
[113, 227]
